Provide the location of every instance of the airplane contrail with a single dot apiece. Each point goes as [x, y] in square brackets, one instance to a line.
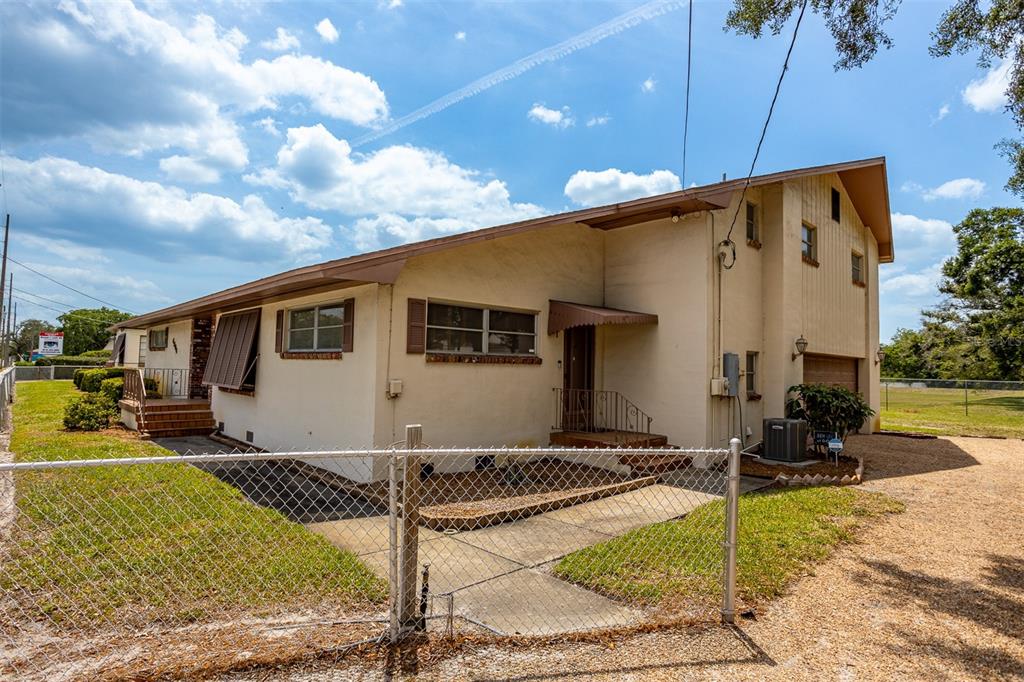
[635, 17]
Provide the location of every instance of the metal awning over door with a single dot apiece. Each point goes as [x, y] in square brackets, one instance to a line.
[563, 315]
[233, 349]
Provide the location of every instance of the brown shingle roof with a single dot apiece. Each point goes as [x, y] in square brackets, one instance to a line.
[865, 182]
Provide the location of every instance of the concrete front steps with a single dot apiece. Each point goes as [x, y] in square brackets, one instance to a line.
[169, 418]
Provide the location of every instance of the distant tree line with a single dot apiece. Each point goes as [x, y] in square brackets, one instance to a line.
[85, 329]
[977, 332]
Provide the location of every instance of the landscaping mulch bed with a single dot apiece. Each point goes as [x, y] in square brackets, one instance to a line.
[749, 466]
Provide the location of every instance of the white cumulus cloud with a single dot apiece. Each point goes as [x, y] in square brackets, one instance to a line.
[187, 169]
[281, 42]
[460, 36]
[328, 33]
[960, 188]
[65, 199]
[556, 118]
[649, 85]
[594, 188]
[598, 120]
[403, 192]
[988, 93]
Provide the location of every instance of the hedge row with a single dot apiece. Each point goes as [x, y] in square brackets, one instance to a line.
[82, 360]
[103, 388]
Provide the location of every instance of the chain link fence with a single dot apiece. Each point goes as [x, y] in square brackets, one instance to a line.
[49, 372]
[190, 564]
[953, 406]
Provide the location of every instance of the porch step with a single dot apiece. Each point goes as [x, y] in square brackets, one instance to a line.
[154, 417]
[172, 418]
[174, 433]
[656, 464]
[608, 439]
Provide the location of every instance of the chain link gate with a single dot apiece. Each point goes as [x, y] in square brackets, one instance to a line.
[182, 565]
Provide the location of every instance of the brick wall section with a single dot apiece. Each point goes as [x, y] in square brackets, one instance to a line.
[202, 337]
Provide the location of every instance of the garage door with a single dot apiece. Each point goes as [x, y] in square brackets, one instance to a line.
[831, 371]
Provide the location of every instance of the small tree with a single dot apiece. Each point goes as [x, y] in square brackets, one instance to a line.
[827, 408]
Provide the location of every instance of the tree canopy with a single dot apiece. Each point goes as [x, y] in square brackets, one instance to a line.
[977, 332]
[87, 328]
[994, 28]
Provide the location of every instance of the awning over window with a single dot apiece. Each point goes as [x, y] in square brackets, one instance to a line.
[563, 315]
[233, 351]
[117, 355]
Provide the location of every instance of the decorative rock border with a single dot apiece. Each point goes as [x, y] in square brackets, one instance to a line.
[818, 479]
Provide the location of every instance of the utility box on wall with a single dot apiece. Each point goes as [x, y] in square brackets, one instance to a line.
[731, 372]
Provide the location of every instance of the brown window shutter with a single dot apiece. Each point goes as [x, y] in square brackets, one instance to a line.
[233, 349]
[347, 331]
[279, 333]
[416, 327]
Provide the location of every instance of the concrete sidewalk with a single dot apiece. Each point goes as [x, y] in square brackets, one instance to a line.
[500, 576]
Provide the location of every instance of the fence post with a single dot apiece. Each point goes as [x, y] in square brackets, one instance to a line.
[408, 614]
[965, 397]
[393, 574]
[732, 501]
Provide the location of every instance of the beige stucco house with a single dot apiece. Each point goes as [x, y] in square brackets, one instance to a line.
[620, 318]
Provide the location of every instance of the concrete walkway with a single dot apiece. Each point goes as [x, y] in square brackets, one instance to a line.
[500, 576]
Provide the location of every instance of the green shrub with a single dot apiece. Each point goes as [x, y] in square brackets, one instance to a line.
[115, 372]
[76, 379]
[79, 360]
[151, 386]
[105, 354]
[113, 389]
[24, 363]
[91, 380]
[43, 362]
[827, 408]
[90, 412]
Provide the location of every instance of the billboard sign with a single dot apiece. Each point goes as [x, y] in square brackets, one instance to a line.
[51, 343]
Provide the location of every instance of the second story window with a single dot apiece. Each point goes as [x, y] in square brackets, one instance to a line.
[809, 243]
[857, 267]
[753, 225]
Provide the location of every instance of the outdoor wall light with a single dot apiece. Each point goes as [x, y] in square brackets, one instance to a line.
[801, 346]
[879, 356]
[675, 216]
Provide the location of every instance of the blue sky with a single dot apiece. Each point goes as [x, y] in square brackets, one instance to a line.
[160, 151]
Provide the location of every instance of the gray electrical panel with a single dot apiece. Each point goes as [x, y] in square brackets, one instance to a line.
[731, 371]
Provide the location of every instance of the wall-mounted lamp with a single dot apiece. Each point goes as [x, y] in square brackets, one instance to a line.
[879, 356]
[801, 346]
[675, 216]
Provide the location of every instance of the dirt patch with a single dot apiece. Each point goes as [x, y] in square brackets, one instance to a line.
[750, 466]
[482, 513]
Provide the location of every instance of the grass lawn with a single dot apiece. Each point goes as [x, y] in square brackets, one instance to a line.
[143, 544]
[781, 532]
[941, 411]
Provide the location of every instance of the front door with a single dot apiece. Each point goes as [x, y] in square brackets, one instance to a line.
[578, 380]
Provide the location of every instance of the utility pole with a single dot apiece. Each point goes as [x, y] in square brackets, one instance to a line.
[10, 293]
[3, 266]
[14, 334]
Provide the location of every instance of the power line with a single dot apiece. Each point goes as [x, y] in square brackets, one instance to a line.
[64, 312]
[30, 293]
[82, 293]
[764, 130]
[686, 115]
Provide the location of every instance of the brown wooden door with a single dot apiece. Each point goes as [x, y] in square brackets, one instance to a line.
[578, 379]
[831, 371]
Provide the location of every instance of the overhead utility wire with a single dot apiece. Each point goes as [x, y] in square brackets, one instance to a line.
[70, 308]
[51, 300]
[66, 313]
[686, 109]
[764, 130]
[82, 293]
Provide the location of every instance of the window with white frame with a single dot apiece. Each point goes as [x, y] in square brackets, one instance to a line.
[484, 331]
[809, 242]
[158, 339]
[857, 267]
[316, 328]
[753, 223]
[751, 373]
